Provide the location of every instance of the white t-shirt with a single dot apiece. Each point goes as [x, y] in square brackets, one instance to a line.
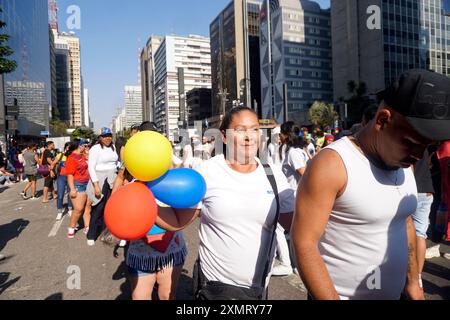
[273, 157]
[101, 159]
[237, 214]
[365, 244]
[295, 159]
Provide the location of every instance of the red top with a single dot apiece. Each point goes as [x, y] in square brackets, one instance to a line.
[77, 166]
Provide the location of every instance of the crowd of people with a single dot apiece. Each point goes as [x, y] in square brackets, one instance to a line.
[338, 207]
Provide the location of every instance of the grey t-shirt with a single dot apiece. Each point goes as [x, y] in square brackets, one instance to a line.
[30, 163]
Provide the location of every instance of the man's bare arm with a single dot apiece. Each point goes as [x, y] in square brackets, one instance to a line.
[322, 183]
[412, 288]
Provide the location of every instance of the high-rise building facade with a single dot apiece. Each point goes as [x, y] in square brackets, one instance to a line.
[119, 121]
[86, 109]
[181, 64]
[148, 77]
[133, 105]
[199, 106]
[409, 34]
[70, 41]
[28, 28]
[296, 67]
[63, 81]
[235, 61]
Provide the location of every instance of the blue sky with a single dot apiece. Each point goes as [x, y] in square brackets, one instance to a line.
[109, 34]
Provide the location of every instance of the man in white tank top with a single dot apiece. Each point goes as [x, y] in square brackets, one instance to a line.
[352, 231]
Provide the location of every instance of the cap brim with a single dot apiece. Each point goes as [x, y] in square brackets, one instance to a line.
[436, 130]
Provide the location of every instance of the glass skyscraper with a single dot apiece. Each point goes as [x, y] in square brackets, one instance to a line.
[413, 34]
[235, 56]
[30, 84]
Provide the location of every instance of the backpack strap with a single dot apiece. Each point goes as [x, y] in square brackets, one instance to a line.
[273, 183]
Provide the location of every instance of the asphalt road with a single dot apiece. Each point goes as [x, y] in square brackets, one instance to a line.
[42, 263]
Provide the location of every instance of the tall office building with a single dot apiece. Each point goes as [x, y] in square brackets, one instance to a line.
[63, 81]
[70, 41]
[133, 105]
[119, 121]
[86, 109]
[295, 58]
[27, 24]
[148, 77]
[235, 66]
[412, 34]
[181, 64]
[199, 106]
[54, 90]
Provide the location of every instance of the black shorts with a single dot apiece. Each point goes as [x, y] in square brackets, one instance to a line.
[31, 177]
[48, 182]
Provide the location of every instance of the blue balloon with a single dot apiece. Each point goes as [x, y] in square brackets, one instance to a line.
[179, 188]
[156, 230]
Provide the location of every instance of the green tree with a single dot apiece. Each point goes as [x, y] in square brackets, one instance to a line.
[322, 114]
[83, 133]
[6, 65]
[58, 128]
[126, 133]
[358, 100]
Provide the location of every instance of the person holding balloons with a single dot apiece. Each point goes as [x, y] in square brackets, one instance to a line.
[155, 255]
[237, 240]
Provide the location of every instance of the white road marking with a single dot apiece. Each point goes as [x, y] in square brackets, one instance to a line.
[56, 227]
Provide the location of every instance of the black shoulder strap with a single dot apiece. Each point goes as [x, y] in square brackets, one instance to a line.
[273, 183]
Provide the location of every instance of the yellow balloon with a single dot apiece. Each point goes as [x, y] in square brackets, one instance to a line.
[148, 155]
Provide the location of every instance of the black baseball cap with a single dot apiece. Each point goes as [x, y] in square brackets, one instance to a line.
[423, 97]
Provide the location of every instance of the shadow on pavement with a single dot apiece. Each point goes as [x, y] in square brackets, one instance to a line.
[436, 270]
[55, 296]
[3, 189]
[4, 283]
[432, 289]
[11, 230]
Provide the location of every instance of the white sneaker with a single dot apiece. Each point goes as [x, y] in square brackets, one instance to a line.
[122, 243]
[90, 243]
[34, 198]
[59, 216]
[70, 233]
[282, 270]
[433, 252]
[26, 180]
[447, 256]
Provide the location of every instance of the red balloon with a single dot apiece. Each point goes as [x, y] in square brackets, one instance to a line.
[131, 212]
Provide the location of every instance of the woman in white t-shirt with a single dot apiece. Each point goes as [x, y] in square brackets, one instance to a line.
[294, 156]
[238, 210]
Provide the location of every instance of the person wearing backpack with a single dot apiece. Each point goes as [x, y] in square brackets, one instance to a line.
[237, 235]
[46, 169]
[61, 180]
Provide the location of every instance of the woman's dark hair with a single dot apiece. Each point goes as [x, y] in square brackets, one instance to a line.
[120, 142]
[292, 131]
[226, 122]
[71, 147]
[148, 126]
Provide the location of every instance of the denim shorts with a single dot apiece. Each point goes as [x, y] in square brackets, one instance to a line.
[420, 217]
[81, 187]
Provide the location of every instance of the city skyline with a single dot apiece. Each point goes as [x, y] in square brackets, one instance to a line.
[107, 67]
